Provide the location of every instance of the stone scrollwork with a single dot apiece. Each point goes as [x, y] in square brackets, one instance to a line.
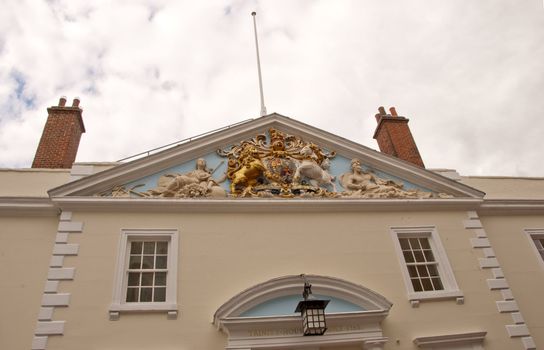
[317, 174]
[121, 191]
[193, 184]
[276, 165]
[196, 183]
[359, 183]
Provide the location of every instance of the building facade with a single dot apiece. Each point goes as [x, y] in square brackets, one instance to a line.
[207, 245]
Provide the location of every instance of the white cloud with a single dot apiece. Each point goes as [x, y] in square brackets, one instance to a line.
[467, 74]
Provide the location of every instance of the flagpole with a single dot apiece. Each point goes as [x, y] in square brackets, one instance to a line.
[263, 108]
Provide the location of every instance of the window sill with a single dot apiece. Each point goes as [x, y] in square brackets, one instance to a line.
[416, 297]
[169, 308]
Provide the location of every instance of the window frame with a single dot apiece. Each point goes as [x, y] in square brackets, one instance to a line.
[451, 289]
[532, 234]
[127, 236]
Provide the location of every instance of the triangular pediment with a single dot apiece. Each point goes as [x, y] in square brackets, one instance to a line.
[269, 157]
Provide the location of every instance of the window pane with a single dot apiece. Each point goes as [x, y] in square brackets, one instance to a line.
[160, 294]
[412, 271]
[134, 279]
[424, 243]
[160, 278]
[136, 248]
[149, 247]
[427, 285]
[422, 270]
[414, 242]
[428, 255]
[132, 295]
[147, 279]
[404, 244]
[134, 262]
[421, 262]
[418, 254]
[437, 284]
[417, 285]
[162, 247]
[408, 257]
[433, 270]
[160, 262]
[147, 262]
[149, 285]
[145, 294]
[539, 242]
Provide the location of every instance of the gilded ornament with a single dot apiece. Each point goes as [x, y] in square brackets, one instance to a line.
[278, 166]
[286, 167]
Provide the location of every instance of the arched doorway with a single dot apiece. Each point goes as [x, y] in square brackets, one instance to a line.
[262, 317]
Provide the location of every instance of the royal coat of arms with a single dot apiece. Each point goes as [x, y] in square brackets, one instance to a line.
[274, 165]
[284, 166]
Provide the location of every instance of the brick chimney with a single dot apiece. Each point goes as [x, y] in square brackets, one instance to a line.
[60, 138]
[394, 137]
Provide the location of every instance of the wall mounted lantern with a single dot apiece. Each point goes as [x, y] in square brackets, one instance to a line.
[312, 311]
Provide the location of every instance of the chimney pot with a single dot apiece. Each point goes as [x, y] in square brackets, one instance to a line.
[395, 139]
[382, 110]
[60, 138]
[76, 102]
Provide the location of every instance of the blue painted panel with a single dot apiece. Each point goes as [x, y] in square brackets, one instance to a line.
[213, 160]
[339, 166]
[286, 305]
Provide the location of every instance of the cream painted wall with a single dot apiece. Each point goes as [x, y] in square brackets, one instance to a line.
[521, 266]
[223, 254]
[31, 182]
[99, 166]
[507, 187]
[26, 245]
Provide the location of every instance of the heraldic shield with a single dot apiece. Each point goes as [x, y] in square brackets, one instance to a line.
[284, 166]
[272, 164]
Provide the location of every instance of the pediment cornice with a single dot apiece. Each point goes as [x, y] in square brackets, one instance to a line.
[262, 204]
[196, 148]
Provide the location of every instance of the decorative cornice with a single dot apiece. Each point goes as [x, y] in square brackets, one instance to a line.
[42, 206]
[27, 206]
[450, 339]
[262, 205]
[512, 206]
[360, 329]
[372, 315]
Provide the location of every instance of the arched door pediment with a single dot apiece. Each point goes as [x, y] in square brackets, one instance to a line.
[250, 321]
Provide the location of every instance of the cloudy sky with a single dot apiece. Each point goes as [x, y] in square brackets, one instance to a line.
[468, 74]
